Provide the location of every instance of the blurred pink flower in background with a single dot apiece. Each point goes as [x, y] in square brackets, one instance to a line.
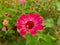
[22, 1]
[30, 22]
[6, 14]
[4, 28]
[5, 22]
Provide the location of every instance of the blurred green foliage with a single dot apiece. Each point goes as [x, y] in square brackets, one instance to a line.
[49, 9]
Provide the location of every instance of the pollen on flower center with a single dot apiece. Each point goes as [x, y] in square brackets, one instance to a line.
[29, 25]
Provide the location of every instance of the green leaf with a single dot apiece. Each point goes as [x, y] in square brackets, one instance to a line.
[9, 32]
[58, 42]
[21, 41]
[31, 40]
[45, 39]
[48, 40]
[48, 22]
[58, 22]
[58, 6]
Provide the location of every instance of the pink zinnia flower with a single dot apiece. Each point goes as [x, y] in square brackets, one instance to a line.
[22, 1]
[6, 14]
[5, 22]
[29, 23]
[4, 28]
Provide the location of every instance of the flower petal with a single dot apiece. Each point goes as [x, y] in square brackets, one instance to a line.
[23, 32]
[22, 1]
[33, 32]
[40, 27]
[23, 17]
[36, 17]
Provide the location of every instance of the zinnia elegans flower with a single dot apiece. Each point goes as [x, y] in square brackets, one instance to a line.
[6, 14]
[5, 22]
[22, 1]
[4, 28]
[30, 22]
